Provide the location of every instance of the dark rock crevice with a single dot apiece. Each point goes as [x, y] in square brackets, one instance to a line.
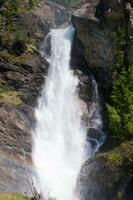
[129, 191]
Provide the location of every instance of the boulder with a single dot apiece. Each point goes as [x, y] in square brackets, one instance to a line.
[108, 175]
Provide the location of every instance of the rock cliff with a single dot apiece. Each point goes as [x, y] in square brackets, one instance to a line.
[96, 23]
[104, 30]
[23, 71]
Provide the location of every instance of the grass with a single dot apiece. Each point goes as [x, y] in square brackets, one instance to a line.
[18, 60]
[8, 196]
[10, 96]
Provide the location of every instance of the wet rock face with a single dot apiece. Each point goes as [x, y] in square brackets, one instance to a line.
[95, 22]
[107, 176]
[14, 177]
[25, 79]
[98, 48]
[85, 86]
[53, 14]
[15, 129]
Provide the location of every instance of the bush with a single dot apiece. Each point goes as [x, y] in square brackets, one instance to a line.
[20, 42]
[121, 113]
[119, 43]
[15, 4]
[16, 60]
[114, 159]
[121, 108]
[10, 96]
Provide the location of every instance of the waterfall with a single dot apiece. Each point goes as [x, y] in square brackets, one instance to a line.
[96, 138]
[61, 140]
[60, 135]
[95, 135]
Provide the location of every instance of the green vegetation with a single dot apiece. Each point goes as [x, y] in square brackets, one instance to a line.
[51, 198]
[10, 96]
[121, 108]
[123, 155]
[121, 113]
[119, 44]
[15, 4]
[114, 159]
[17, 60]
[8, 196]
[17, 43]
[127, 148]
[32, 3]
[16, 7]
[20, 41]
[13, 8]
[16, 40]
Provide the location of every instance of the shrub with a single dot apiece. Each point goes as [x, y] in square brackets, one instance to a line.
[121, 113]
[10, 96]
[115, 159]
[121, 108]
[15, 4]
[17, 60]
[20, 41]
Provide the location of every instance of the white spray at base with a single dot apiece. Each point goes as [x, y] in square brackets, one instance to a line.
[60, 136]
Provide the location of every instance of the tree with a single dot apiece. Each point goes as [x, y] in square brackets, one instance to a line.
[121, 111]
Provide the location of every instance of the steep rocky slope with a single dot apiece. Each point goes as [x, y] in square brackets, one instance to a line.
[100, 26]
[96, 24]
[22, 73]
[22, 67]
[104, 31]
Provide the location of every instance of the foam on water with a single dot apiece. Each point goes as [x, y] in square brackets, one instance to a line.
[59, 137]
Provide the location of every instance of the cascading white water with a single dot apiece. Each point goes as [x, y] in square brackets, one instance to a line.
[96, 138]
[95, 123]
[60, 136]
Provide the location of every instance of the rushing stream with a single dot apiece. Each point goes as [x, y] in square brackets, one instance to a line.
[60, 137]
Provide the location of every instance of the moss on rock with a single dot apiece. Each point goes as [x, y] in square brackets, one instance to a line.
[10, 96]
[109, 173]
[17, 60]
[114, 158]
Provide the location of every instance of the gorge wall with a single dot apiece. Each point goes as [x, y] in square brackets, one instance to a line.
[109, 174]
[104, 33]
[22, 73]
[96, 23]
